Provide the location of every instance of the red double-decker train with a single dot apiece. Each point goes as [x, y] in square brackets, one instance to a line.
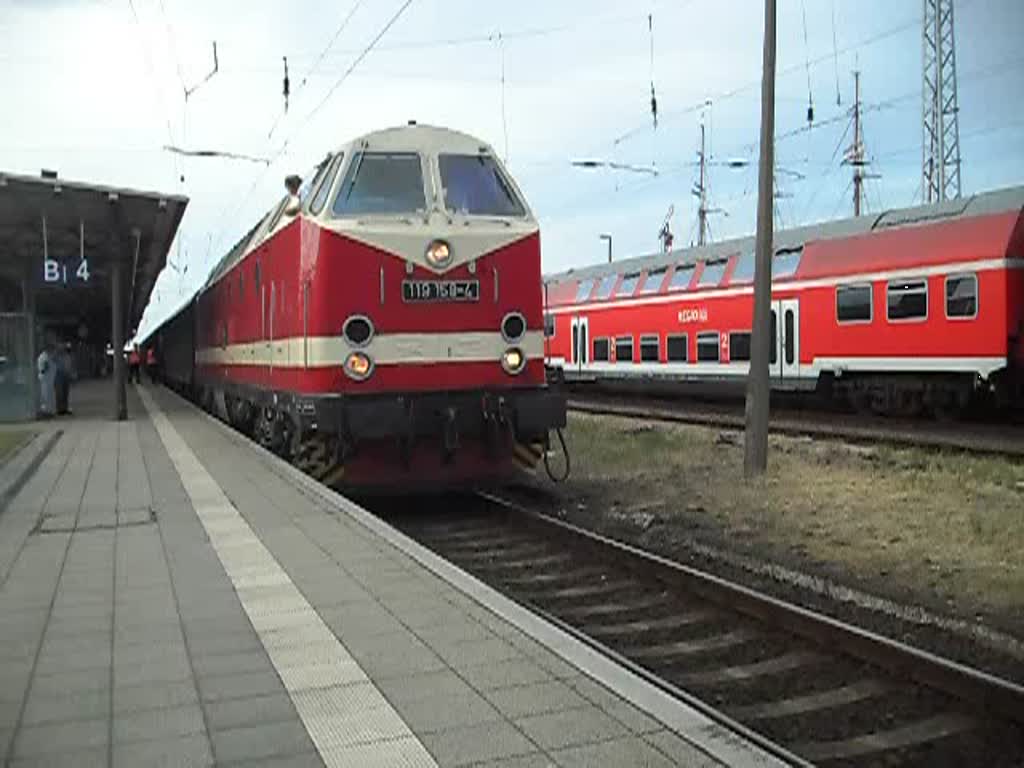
[382, 325]
[903, 312]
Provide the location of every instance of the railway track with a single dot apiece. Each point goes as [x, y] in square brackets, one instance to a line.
[820, 690]
[984, 438]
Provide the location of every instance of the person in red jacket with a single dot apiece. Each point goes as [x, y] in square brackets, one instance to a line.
[151, 364]
[134, 361]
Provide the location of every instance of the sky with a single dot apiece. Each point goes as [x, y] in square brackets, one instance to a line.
[95, 89]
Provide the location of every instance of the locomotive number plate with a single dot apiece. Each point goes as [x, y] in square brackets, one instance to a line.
[441, 290]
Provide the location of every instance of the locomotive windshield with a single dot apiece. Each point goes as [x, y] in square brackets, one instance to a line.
[381, 183]
[474, 186]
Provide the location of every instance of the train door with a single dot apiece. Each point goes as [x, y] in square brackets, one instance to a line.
[578, 351]
[785, 348]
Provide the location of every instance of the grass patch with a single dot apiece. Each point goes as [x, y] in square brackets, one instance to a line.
[9, 440]
[952, 522]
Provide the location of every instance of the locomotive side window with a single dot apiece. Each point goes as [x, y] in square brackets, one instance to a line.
[707, 347]
[744, 272]
[712, 274]
[604, 290]
[475, 186]
[624, 349]
[652, 283]
[962, 296]
[649, 349]
[676, 346]
[601, 350]
[324, 189]
[583, 290]
[381, 183]
[681, 279]
[739, 345]
[853, 303]
[628, 284]
[907, 299]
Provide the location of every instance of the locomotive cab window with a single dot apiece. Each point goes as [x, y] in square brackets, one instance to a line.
[712, 274]
[962, 296]
[649, 349]
[475, 186]
[652, 283]
[907, 299]
[853, 303]
[382, 183]
[707, 347]
[601, 350]
[628, 284]
[624, 349]
[739, 345]
[324, 187]
[681, 279]
[676, 347]
[583, 290]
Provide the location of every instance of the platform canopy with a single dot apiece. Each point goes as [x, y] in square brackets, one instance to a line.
[59, 240]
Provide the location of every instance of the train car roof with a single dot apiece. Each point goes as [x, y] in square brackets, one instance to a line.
[996, 201]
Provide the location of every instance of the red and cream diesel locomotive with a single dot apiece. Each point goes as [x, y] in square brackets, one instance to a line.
[901, 312]
[382, 326]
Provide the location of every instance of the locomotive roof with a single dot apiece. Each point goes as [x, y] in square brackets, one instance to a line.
[995, 201]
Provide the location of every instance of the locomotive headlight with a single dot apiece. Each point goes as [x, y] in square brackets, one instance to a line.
[439, 254]
[512, 360]
[358, 366]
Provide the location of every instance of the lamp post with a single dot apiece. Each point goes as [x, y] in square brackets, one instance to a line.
[609, 239]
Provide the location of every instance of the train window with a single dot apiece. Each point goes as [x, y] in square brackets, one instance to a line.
[789, 322]
[707, 347]
[681, 279]
[628, 284]
[676, 347]
[601, 350]
[381, 183]
[773, 356]
[853, 303]
[549, 325]
[475, 186]
[907, 299]
[624, 349]
[744, 272]
[739, 345]
[962, 296]
[649, 349]
[786, 261]
[320, 196]
[278, 212]
[712, 274]
[583, 290]
[604, 290]
[652, 283]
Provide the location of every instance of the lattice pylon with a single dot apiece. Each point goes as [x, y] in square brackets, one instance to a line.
[940, 162]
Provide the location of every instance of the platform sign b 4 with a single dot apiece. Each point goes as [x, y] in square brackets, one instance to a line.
[65, 272]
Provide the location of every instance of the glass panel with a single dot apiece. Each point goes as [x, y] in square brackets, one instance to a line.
[624, 349]
[474, 186]
[601, 350]
[739, 345]
[676, 348]
[649, 349]
[853, 303]
[908, 300]
[382, 183]
[583, 290]
[707, 347]
[773, 358]
[744, 272]
[628, 285]
[681, 279]
[584, 349]
[712, 274]
[790, 337]
[652, 283]
[786, 262]
[575, 343]
[549, 325]
[320, 198]
[962, 296]
[17, 369]
[604, 290]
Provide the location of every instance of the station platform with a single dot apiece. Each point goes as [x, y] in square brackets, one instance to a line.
[173, 595]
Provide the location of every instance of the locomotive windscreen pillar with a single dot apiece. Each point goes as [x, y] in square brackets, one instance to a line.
[117, 334]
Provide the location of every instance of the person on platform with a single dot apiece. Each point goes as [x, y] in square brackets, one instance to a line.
[46, 371]
[62, 379]
[151, 363]
[134, 363]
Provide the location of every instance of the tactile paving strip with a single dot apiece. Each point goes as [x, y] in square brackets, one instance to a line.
[347, 717]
